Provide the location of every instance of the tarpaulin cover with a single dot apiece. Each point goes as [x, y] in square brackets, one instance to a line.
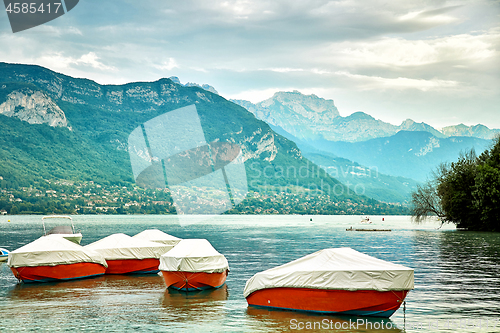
[121, 247]
[193, 255]
[341, 268]
[158, 236]
[53, 250]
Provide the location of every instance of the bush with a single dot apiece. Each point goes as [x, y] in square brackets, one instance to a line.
[466, 192]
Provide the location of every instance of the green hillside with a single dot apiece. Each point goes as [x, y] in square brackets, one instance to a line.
[93, 150]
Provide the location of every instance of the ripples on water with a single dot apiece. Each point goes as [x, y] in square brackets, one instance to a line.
[457, 278]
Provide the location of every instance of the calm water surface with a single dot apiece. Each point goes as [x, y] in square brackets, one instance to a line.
[457, 278]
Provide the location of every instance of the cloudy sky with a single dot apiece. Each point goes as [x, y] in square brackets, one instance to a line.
[429, 60]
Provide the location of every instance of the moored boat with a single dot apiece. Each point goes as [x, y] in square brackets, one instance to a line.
[128, 255]
[4, 254]
[333, 281]
[158, 236]
[53, 258]
[194, 264]
[66, 231]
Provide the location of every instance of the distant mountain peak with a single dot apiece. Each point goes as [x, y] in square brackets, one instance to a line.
[206, 87]
[411, 125]
[359, 115]
[295, 96]
[311, 117]
[478, 131]
[294, 92]
[304, 116]
[175, 79]
[407, 122]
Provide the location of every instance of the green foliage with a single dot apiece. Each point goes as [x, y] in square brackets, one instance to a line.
[486, 192]
[8, 87]
[466, 192]
[455, 187]
[36, 158]
[30, 152]
[308, 202]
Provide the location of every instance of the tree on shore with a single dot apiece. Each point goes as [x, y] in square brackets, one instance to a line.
[466, 192]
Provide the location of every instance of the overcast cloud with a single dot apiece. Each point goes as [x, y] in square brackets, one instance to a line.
[431, 61]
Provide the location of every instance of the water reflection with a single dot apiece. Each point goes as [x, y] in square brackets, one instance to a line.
[469, 273]
[291, 320]
[457, 277]
[457, 280]
[194, 304]
[83, 305]
[38, 306]
[54, 290]
[84, 287]
[134, 281]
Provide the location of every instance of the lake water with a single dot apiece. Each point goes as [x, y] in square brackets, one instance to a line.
[457, 277]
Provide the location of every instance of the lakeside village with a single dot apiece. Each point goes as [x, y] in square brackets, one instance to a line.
[67, 197]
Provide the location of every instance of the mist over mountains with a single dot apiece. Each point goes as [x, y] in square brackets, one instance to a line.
[389, 160]
[309, 117]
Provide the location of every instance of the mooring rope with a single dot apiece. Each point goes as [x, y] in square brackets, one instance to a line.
[404, 315]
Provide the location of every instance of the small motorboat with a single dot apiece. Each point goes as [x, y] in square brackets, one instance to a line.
[158, 236]
[4, 254]
[366, 220]
[128, 255]
[65, 231]
[333, 281]
[194, 264]
[53, 258]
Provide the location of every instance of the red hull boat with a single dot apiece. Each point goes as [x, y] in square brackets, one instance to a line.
[189, 281]
[155, 235]
[54, 258]
[333, 281]
[194, 264]
[128, 255]
[58, 272]
[358, 303]
[133, 266]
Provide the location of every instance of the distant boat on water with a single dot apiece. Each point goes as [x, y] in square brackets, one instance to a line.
[366, 220]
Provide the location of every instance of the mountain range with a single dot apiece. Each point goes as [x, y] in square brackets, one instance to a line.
[107, 114]
[411, 150]
[409, 154]
[309, 117]
[56, 128]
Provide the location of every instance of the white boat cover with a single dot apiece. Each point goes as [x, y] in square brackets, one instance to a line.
[121, 247]
[158, 236]
[52, 250]
[341, 268]
[193, 255]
